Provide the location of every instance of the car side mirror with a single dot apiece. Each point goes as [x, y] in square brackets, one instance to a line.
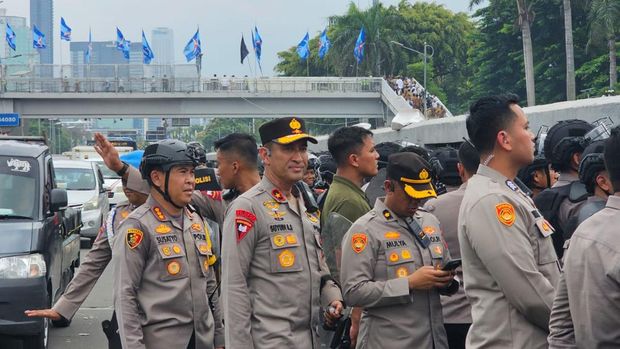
[58, 200]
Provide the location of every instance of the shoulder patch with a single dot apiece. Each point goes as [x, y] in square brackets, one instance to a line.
[243, 227]
[358, 242]
[247, 215]
[133, 237]
[505, 213]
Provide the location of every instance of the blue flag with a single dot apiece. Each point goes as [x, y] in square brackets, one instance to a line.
[65, 31]
[10, 37]
[358, 51]
[89, 49]
[192, 49]
[146, 50]
[257, 42]
[122, 44]
[303, 49]
[324, 44]
[38, 38]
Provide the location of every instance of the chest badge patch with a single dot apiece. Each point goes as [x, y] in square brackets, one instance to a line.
[392, 235]
[173, 268]
[163, 229]
[312, 218]
[133, 237]
[505, 213]
[277, 215]
[196, 227]
[429, 230]
[286, 258]
[402, 272]
[358, 242]
[279, 240]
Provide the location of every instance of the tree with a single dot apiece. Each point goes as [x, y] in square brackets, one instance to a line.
[570, 56]
[604, 25]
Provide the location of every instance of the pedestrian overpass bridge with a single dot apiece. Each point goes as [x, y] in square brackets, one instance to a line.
[86, 95]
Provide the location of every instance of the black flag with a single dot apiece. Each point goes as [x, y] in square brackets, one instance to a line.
[244, 49]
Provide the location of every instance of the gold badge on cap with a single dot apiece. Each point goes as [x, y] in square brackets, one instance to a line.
[295, 126]
[423, 174]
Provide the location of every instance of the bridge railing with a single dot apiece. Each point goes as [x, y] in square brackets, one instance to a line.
[125, 78]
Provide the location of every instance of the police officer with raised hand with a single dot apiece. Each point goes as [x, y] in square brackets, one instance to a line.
[586, 309]
[274, 275]
[391, 263]
[162, 269]
[509, 266]
[95, 261]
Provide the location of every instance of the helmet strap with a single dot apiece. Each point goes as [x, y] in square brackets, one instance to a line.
[165, 193]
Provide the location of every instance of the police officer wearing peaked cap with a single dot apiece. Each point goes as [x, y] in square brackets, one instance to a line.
[391, 261]
[162, 272]
[274, 274]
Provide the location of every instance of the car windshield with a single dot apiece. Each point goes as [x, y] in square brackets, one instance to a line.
[18, 185]
[75, 178]
[107, 173]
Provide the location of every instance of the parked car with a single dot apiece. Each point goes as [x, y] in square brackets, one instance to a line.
[84, 183]
[112, 183]
[40, 246]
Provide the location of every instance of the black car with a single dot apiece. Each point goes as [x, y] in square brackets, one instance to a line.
[40, 241]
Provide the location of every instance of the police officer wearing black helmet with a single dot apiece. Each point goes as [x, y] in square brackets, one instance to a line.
[162, 271]
[563, 146]
[539, 175]
[593, 174]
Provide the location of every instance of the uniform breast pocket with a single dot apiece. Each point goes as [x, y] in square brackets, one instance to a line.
[284, 253]
[546, 252]
[173, 262]
[399, 263]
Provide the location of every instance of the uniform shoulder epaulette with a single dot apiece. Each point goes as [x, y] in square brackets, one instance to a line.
[139, 212]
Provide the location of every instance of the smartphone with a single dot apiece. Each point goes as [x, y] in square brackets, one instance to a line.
[452, 264]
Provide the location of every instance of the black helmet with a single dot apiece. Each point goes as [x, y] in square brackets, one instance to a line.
[199, 150]
[591, 164]
[563, 140]
[526, 174]
[448, 171]
[165, 154]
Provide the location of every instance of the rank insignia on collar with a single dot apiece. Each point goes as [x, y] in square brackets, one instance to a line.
[510, 184]
[505, 213]
[133, 237]
[277, 194]
[387, 214]
[358, 242]
[158, 213]
[271, 204]
[163, 229]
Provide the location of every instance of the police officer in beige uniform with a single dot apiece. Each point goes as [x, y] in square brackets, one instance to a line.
[456, 308]
[274, 275]
[510, 268]
[94, 262]
[162, 271]
[391, 258]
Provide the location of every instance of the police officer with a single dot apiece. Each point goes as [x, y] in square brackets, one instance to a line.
[274, 275]
[162, 270]
[592, 173]
[509, 266]
[456, 308]
[537, 176]
[390, 264]
[563, 146]
[586, 310]
[95, 261]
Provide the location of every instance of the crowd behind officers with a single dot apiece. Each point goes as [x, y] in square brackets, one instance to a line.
[397, 257]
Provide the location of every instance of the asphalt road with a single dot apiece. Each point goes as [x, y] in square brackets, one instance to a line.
[85, 329]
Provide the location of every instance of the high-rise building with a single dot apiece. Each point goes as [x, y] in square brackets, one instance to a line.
[162, 44]
[105, 60]
[42, 15]
[24, 56]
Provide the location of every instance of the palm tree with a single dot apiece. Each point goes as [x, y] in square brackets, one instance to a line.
[603, 22]
[570, 56]
[525, 19]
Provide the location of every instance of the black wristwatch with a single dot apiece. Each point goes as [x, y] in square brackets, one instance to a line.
[123, 170]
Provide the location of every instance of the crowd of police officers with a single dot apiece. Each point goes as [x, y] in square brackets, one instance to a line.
[480, 247]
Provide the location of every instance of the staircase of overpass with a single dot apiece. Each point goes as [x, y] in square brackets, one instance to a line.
[112, 91]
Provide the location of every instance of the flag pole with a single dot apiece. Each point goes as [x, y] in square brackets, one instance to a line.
[308, 66]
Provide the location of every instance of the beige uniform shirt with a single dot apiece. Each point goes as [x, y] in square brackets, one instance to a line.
[93, 265]
[163, 281]
[586, 309]
[510, 268]
[456, 308]
[272, 265]
[378, 253]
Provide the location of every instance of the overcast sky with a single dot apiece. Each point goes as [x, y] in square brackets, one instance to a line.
[281, 23]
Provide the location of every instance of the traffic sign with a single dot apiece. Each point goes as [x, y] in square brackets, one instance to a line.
[9, 120]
